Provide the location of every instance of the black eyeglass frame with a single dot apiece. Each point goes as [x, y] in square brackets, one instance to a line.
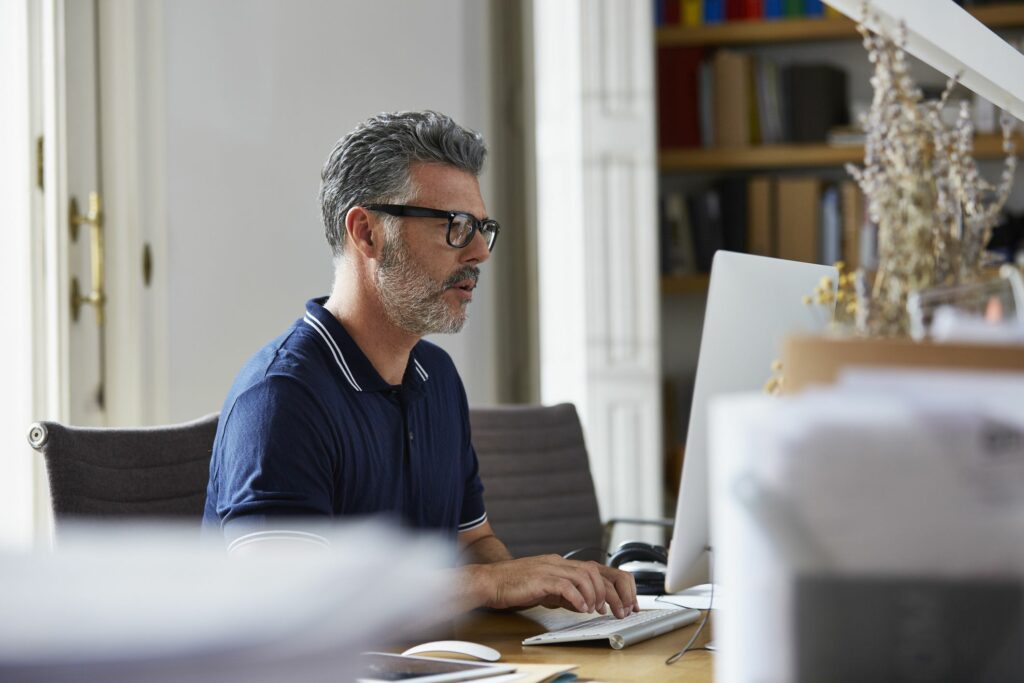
[404, 210]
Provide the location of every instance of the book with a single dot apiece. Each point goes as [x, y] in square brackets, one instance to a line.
[732, 93]
[761, 216]
[853, 211]
[734, 9]
[792, 8]
[679, 257]
[706, 103]
[706, 221]
[772, 9]
[714, 11]
[830, 235]
[796, 221]
[753, 9]
[692, 12]
[672, 11]
[813, 8]
[816, 101]
[769, 102]
[678, 96]
[732, 195]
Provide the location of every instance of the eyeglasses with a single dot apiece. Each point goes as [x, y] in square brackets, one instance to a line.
[461, 226]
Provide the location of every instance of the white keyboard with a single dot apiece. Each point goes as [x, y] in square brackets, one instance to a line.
[620, 632]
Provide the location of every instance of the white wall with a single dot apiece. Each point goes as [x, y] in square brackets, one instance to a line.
[256, 95]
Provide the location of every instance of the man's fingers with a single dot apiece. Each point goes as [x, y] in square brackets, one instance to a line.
[624, 587]
[613, 599]
[569, 592]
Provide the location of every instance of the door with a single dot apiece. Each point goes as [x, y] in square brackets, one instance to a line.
[84, 323]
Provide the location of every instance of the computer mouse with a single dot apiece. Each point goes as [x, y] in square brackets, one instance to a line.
[461, 647]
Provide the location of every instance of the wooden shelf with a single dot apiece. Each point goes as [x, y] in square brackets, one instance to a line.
[794, 156]
[685, 284]
[806, 29]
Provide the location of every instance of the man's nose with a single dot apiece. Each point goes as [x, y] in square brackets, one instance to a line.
[476, 252]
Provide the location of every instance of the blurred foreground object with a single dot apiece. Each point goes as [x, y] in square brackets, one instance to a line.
[154, 603]
[884, 519]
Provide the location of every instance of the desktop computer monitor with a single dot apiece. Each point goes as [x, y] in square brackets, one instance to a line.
[753, 303]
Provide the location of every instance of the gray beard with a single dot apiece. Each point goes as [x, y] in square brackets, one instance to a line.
[412, 300]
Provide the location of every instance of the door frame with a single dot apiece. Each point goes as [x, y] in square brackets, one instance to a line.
[130, 67]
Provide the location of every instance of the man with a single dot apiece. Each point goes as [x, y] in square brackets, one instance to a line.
[350, 412]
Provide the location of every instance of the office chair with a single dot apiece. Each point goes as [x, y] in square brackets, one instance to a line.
[137, 472]
[539, 493]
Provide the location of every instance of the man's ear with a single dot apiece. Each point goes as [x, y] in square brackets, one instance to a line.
[360, 228]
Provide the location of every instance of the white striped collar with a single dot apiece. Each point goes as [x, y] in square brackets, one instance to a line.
[339, 357]
[419, 369]
[355, 367]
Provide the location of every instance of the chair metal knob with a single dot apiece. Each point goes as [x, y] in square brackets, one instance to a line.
[37, 435]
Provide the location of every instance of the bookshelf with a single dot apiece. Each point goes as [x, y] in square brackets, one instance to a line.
[697, 283]
[699, 159]
[751, 32]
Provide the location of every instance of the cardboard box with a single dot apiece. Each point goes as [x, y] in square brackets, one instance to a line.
[808, 360]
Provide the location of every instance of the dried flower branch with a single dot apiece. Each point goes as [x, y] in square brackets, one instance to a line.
[934, 211]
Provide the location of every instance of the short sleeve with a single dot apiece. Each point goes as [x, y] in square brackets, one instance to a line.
[274, 459]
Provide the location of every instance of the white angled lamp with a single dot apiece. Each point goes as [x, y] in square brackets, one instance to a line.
[944, 35]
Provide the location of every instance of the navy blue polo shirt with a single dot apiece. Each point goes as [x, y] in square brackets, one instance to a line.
[310, 429]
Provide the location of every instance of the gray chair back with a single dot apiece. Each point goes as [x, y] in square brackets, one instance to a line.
[538, 489]
[138, 472]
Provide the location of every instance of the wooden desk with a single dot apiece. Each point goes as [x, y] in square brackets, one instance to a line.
[641, 662]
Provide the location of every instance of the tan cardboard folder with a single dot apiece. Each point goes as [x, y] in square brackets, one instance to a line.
[808, 360]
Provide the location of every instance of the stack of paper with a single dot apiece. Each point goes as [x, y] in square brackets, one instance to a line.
[155, 604]
[910, 476]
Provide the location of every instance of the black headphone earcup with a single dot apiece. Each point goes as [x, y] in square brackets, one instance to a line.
[636, 551]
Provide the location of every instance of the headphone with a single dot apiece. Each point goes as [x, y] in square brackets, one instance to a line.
[635, 551]
[648, 582]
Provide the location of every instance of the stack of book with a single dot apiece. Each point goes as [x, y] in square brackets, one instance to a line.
[698, 12]
[731, 99]
[801, 218]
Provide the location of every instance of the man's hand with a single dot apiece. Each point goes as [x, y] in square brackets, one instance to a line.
[552, 581]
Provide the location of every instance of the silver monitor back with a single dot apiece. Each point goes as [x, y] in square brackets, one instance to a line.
[753, 303]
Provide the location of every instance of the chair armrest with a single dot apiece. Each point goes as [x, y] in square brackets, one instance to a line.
[609, 526]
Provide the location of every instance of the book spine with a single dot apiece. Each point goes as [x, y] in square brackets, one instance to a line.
[693, 12]
[672, 11]
[761, 216]
[772, 9]
[814, 8]
[792, 8]
[714, 11]
[797, 205]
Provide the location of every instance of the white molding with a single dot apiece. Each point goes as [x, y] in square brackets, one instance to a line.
[56, 307]
[559, 197]
[948, 38]
[596, 199]
[17, 272]
[133, 154]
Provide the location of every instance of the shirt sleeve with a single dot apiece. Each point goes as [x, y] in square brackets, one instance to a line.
[473, 512]
[275, 462]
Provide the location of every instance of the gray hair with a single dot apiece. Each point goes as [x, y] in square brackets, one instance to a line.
[371, 164]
